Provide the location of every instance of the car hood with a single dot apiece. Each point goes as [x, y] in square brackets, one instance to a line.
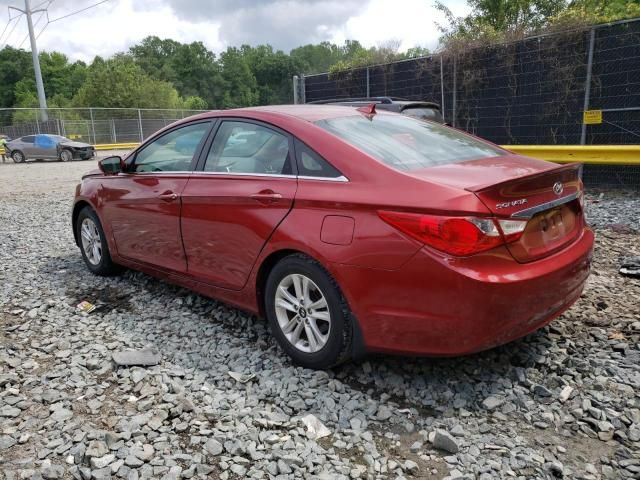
[75, 144]
[93, 173]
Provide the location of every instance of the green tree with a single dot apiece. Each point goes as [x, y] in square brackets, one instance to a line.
[319, 58]
[61, 77]
[15, 64]
[386, 52]
[240, 85]
[598, 11]
[493, 20]
[120, 82]
[191, 68]
[273, 71]
[194, 103]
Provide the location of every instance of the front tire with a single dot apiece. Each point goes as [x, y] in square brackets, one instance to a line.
[93, 244]
[17, 156]
[66, 155]
[307, 313]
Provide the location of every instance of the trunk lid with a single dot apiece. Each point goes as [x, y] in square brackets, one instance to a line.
[547, 195]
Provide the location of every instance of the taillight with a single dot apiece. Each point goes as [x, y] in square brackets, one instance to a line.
[459, 236]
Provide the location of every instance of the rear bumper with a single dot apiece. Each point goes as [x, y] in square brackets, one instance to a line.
[436, 305]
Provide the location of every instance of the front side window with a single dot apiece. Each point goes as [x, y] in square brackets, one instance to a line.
[407, 144]
[173, 151]
[29, 139]
[241, 147]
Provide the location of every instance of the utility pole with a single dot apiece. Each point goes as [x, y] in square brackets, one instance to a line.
[42, 99]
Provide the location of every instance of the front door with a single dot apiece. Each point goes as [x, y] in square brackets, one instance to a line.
[143, 204]
[231, 207]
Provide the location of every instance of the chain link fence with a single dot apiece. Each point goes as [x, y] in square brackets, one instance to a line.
[529, 92]
[90, 125]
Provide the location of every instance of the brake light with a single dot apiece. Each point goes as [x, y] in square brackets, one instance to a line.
[458, 236]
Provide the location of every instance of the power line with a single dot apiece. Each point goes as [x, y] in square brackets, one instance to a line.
[6, 40]
[42, 30]
[42, 3]
[78, 11]
[5, 28]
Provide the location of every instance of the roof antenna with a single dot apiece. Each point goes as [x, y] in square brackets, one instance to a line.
[368, 110]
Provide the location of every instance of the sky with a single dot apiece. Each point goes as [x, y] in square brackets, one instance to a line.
[115, 25]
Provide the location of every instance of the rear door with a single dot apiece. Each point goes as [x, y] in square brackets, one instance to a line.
[143, 204]
[243, 189]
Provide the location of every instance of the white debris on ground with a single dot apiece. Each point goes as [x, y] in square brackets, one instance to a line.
[564, 402]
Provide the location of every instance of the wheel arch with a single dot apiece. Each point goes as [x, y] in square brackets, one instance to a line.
[62, 150]
[77, 208]
[265, 268]
[358, 348]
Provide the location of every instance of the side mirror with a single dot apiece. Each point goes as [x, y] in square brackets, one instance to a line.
[111, 165]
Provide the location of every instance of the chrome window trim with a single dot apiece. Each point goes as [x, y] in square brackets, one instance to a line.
[340, 179]
[245, 174]
[530, 212]
[165, 172]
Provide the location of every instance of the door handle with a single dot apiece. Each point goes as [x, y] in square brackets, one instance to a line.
[168, 196]
[266, 196]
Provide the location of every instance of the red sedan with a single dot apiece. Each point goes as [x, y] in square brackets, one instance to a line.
[351, 231]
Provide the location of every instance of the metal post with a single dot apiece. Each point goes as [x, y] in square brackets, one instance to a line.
[93, 126]
[303, 90]
[368, 84]
[113, 131]
[64, 129]
[296, 100]
[455, 89]
[587, 84]
[37, 126]
[42, 100]
[58, 126]
[140, 125]
[442, 109]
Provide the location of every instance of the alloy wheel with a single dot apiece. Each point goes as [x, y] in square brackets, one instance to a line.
[91, 242]
[302, 313]
[65, 156]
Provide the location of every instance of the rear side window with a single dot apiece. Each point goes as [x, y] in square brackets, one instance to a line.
[310, 164]
[407, 144]
[248, 148]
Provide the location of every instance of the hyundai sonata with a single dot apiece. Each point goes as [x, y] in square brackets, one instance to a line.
[350, 230]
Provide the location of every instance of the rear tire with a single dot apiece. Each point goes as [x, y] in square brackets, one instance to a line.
[93, 244]
[308, 314]
[17, 156]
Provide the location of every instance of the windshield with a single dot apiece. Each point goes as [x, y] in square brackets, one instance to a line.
[407, 144]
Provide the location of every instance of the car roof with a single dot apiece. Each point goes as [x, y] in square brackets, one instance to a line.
[306, 112]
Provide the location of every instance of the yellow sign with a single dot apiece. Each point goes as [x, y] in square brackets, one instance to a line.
[592, 117]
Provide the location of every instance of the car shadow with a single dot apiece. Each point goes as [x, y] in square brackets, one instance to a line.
[430, 387]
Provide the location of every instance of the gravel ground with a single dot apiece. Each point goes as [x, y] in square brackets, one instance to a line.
[564, 402]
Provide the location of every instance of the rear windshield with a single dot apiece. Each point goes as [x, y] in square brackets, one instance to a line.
[405, 143]
[424, 113]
